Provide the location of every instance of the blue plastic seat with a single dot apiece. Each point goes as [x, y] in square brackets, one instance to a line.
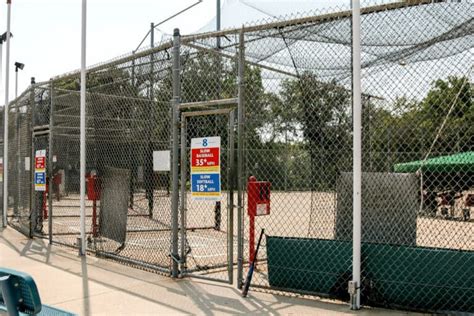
[19, 296]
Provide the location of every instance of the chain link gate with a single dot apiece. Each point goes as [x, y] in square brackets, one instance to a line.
[40, 185]
[41, 167]
[207, 240]
[207, 93]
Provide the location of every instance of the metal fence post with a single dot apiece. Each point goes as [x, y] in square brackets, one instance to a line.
[230, 199]
[82, 246]
[152, 111]
[183, 164]
[33, 214]
[16, 207]
[175, 157]
[50, 163]
[240, 157]
[357, 156]
[149, 186]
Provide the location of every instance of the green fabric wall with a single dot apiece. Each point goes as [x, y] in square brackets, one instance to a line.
[405, 276]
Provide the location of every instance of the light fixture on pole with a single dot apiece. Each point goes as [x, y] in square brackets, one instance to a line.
[17, 66]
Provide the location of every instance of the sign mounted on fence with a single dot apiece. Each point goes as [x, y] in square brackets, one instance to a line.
[206, 169]
[161, 160]
[40, 170]
[27, 164]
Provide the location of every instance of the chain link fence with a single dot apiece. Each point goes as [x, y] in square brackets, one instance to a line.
[278, 97]
[19, 163]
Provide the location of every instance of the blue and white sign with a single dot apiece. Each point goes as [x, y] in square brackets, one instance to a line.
[206, 183]
[205, 169]
[40, 178]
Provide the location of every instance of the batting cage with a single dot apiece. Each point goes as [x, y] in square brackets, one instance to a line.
[197, 144]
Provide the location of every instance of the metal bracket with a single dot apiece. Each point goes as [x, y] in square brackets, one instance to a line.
[207, 104]
[352, 288]
[175, 259]
[207, 112]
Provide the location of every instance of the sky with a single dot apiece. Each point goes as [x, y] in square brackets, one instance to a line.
[47, 34]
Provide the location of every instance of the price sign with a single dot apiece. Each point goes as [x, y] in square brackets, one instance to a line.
[40, 162]
[40, 170]
[205, 169]
[205, 157]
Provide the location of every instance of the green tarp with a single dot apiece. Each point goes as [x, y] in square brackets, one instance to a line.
[393, 275]
[462, 162]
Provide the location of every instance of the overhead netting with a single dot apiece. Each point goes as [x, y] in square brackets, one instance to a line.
[393, 36]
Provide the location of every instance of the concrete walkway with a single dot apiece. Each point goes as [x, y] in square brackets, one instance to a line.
[92, 286]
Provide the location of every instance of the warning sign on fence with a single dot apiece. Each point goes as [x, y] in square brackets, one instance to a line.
[206, 169]
[40, 170]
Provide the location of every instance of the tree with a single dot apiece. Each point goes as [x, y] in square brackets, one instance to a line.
[410, 127]
[406, 129]
[323, 110]
[454, 94]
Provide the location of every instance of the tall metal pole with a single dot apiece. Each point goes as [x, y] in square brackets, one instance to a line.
[5, 132]
[83, 129]
[240, 157]
[18, 148]
[357, 155]
[219, 75]
[218, 22]
[175, 157]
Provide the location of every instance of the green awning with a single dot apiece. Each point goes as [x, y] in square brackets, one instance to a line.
[462, 162]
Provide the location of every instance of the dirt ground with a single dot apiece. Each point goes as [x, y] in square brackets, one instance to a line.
[293, 214]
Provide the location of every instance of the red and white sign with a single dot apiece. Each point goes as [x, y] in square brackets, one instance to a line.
[40, 162]
[205, 157]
